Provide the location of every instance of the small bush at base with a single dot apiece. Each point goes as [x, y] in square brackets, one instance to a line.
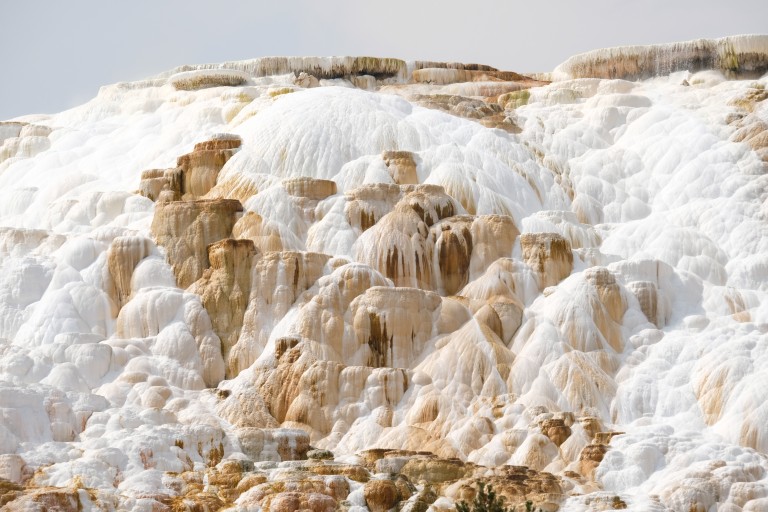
[487, 501]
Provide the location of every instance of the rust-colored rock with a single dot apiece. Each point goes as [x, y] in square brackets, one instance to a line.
[488, 113]
[591, 425]
[605, 437]
[442, 76]
[219, 142]
[195, 173]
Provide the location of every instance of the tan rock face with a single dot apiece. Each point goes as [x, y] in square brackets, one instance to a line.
[488, 113]
[435, 470]
[185, 229]
[392, 325]
[381, 495]
[124, 254]
[510, 314]
[366, 205]
[464, 246]
[401, 166]
[200, 168]
[516, 485]
[453, 248]
[608, 310]
[154, 182]
[399, 245]
[325, 317]
[310, 188]
[265, 237]
[195, 173]
[647, 294]
[245, 409]
[590, 458]
[292, 501]
[225, 288]
[549, 255]
[556, 430]
[278, 279]
[279, 444]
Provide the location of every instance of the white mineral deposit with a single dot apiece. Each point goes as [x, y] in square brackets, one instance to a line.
[361, 283]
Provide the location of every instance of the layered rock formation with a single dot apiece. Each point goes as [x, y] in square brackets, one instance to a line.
[300, 296]
[736, 57]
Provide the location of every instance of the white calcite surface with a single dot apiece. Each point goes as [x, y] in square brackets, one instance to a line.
[374, 254]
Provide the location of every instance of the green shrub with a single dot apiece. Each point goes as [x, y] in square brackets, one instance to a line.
[487, 501]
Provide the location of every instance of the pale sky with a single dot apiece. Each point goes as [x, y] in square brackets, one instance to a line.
[56, 54]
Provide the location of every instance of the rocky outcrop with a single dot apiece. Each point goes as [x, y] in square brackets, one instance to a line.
[200, 168]
[736, 56]
[124, 254]
[751, 129]
[195, 173]
[401, 166]
[310, 188]
[204, 78]
[273, 444]
[464, 246]
[23, 140]
[225, 288]
[278, 280]
[366, 205]
[647, 294]
[442, 76]
[399, 245]
[186, 228]
[318, 67]
[381, 495]
[392, 325]
[549, 255]
[488, 113]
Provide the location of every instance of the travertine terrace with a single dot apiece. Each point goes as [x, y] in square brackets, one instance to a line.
[357, 283]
